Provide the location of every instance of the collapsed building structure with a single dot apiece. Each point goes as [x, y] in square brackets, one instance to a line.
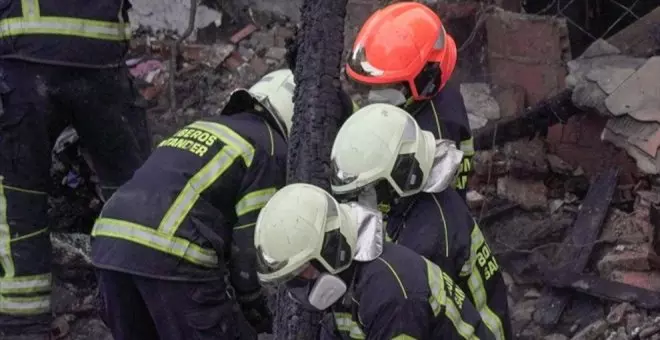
[564, 186]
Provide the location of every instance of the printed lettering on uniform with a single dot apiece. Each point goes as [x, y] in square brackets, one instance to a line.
[453, 291]
[189, 139]
[486, 261]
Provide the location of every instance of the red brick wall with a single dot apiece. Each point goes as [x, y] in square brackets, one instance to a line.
[578, 142]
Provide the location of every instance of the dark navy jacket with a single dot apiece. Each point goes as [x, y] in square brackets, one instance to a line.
[446, 117]
[440, 227]
[401, 295]
[193, 205]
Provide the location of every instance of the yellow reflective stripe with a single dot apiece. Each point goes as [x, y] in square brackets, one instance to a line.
[404, 337]
[30, 8]
[26, 284]
[66, 26]
[195, 187]
[475, 282]
[254, 201]
[439, 298]
[437, 120]
[396, 276]
[6, 260]
[229, 137]
[151, 238]
[444, 224]
[25, 305]
[345, 323]
[356, 107]
[33, 23]
[467, 146]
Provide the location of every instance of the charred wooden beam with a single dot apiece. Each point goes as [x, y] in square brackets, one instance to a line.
[577, 246]
[319, 108]
[535, 120]
[603, 288]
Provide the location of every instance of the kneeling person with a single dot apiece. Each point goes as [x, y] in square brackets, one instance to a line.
[308, 241]
[382, 157]
[166, 240]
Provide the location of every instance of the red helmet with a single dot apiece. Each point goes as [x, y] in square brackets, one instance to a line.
[403, 44]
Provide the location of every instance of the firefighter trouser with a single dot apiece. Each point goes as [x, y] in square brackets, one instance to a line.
[38, 101]
[140, 308]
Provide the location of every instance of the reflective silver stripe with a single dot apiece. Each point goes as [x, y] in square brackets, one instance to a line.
[439, 298]
[25, 305]
[345, 323]
[6, 260]
[194, 188]
[153, 239]
[229, 137]
[254, 201]
[26, 284]
[30, 8]
[475, 282]
[65, 26]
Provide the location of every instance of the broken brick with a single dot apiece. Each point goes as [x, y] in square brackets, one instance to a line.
[243, 33]
[234, 61]
[529, 51]
[622, 258]
[647, 280]
[617, 314]
[529, 194]
[511, 99]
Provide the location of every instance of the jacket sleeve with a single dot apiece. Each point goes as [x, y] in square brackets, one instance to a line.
[263, 177]
[486, 285]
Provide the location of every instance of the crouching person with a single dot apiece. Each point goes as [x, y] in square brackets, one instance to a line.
[166, 240]
[309, 242]
[381, 157]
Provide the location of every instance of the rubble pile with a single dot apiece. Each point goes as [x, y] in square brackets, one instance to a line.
[579, 250]
[532, 205]
[625, 90]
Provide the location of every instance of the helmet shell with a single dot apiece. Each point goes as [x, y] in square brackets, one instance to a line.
[300, 223]
[382, 142]
[395, 45]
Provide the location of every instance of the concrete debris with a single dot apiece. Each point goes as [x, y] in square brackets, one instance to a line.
[479, 102]
[476, 122]
[171, 15]
[474, 199]
[529, 194]
[511, 99]
[640, 140]
[527, 159]
[618, 313]
[592, 332]
[559, 166]
[638, 95]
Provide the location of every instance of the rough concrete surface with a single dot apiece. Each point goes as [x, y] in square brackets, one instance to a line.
[171, 15]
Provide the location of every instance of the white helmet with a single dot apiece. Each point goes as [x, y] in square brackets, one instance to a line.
[382, 142]
[274, 92]
[302, 223]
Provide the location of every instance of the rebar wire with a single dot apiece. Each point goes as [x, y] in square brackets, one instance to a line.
[174, 53]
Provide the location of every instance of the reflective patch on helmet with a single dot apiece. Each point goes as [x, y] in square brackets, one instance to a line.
[359, 63]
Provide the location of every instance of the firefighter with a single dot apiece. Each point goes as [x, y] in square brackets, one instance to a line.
[382, 156]
[405, 57]
[60, 63]
[309, 242]
[166, 240]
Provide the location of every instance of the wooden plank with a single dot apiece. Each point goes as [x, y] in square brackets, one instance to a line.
[603, 288]
[576, 248]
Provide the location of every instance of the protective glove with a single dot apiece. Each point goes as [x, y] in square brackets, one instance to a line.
[255, 309]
